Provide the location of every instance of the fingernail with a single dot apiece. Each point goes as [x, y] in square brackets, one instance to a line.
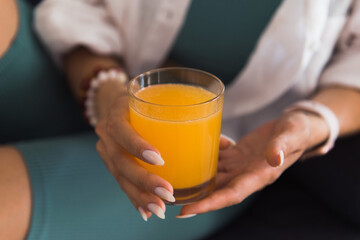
[281, 154]
[232, 141]
[152, 157]
[142, 213]
[186, 216]
[155, 209]
[164, 194]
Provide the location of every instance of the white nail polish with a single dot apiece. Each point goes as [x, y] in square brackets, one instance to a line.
[186, 216]
[281, 153]
[152, 157]
[232, 141]
[164, 194]
[155, 209]
[142, 213]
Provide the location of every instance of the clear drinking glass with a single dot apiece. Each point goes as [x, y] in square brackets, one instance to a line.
[178, 110]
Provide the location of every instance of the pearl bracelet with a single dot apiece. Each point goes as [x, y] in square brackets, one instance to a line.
[112, 74]
[330, 118]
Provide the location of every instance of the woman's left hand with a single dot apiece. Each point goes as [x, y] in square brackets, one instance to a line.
[251, 164]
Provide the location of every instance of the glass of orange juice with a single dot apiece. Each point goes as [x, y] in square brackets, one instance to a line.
[178, 110]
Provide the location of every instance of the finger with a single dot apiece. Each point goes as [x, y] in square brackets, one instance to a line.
[126, 165]
[129, 139]
[145, 202]
[117, 126]
[103, 154]
[219, 199]
[282, 146]
[227, 162]
[221, 167]
[233, 193]
[227, 166]
[138, 197]
[101, 149]
[145, 180]
[226, 142]
[287, 140]
[227, 153]
[221, 180]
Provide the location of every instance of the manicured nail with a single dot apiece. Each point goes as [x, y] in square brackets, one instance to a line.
[232, 141]
[142, 213]
[164, 194]
[186, 216]
[155, 209]
[281, 154]
[152, 157]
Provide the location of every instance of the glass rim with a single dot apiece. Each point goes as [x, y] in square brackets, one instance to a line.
[176, 68]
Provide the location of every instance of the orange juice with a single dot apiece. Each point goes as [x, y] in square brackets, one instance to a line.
[183, 123]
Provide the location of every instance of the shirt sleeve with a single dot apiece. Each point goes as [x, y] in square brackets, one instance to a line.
[344, 67]
[63, 25]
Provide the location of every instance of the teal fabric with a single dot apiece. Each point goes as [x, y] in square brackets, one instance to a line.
[219, 36]
[34, 99]
[73, 195]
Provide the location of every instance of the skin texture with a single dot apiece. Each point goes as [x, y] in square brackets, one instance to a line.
[15, 194]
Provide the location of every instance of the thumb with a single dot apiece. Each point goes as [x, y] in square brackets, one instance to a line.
[282, 145]
[226, 142]
[276, 158]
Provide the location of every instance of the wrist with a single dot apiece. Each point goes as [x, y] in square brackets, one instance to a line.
[323, 126]
[107, 95]
[315, 126]
[109, 83]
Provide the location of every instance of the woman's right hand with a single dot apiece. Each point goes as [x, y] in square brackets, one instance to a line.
[118, 145]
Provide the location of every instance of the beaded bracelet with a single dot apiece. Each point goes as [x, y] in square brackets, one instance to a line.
[90, 86]
[330, 118]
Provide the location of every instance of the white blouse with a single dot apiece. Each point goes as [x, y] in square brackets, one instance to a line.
[308, 44]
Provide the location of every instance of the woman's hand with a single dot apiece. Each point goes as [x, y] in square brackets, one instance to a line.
[118, 146]
[249, 166]
[118, 143]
